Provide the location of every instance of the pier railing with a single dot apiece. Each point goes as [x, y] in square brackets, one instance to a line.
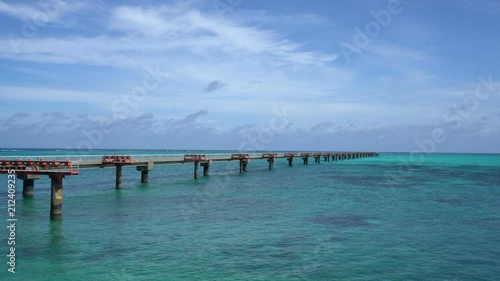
[158, 157]
[28, 166]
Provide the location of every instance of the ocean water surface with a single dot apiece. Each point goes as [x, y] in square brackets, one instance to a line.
[391, 217]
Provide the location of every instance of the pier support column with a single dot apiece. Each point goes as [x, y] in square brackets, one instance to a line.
[271, 162]
[118, 176]
[243, 165]
[317, 159]
[144, 176]
[28, 184]
[290, 161]
[206, 167]
[56, 196]
[28, 187]
[195, 169]
[306, 160]
[145, 171]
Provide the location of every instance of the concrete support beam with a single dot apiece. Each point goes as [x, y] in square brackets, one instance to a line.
[290, 161]
[118, 176]
[56, 196]
[196, 169]
[28, 184]
[206, 167]
[28, 188]
[271, 162]
[145, 171]
[145, 176]
[243, 165]
[306, 160]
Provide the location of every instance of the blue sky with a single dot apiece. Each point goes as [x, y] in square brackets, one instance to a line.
[377, 75]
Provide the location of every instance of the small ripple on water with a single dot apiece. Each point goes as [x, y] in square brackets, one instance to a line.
[450, 201]
[341, 220]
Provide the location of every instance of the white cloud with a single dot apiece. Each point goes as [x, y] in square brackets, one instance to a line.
[158, 31]
[17, 10]
[42, 12]
[392, 52]
[488, 6]
[32, 94]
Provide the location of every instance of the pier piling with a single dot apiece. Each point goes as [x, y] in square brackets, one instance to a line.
[56, 195]
[243, 165]
[206, 167]
[28, 184]
[118, 176]
[144, 173]
[317, 159]
[195, 169]
[271, 162]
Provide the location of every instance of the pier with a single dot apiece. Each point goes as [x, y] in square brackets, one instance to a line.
[28, 169]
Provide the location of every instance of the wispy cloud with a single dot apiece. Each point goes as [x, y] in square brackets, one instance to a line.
[17, 10]
[163, 29]
[42, 12]
[488, 6]
[393, 52]
[30, 94]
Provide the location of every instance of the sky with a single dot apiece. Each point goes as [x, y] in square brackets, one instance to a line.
[374, 75]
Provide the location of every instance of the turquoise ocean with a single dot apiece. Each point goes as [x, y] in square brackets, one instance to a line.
[391, 217]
